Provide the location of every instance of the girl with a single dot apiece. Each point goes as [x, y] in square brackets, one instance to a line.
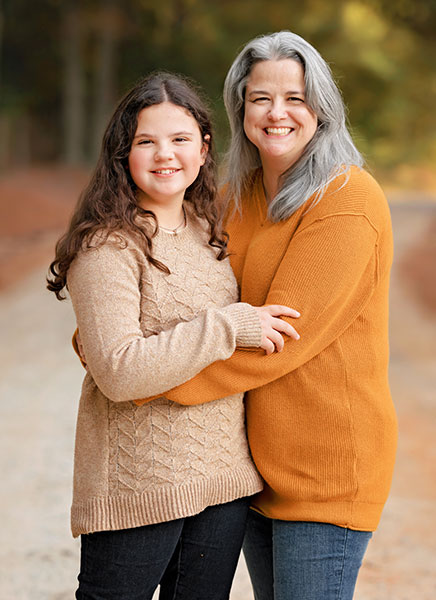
[145, 263]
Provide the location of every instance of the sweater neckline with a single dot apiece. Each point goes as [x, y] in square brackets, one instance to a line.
[174, 235]
[260, 198]
[179, 228]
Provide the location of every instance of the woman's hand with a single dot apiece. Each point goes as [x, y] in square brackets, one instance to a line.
[79, 348]
[273, 326]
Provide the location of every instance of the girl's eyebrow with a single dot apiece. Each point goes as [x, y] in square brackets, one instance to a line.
[149, 135]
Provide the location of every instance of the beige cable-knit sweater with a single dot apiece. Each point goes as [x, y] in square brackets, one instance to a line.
[143, 332]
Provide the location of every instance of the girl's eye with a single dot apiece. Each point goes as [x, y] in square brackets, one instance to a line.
[181, 139]
[144, 142]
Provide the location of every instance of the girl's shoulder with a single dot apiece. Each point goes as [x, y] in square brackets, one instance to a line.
[113, 250]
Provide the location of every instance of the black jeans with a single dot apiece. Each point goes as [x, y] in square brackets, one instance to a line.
[192, 558]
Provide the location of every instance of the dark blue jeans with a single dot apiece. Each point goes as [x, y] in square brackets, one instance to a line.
[291, 560]
[192, 558]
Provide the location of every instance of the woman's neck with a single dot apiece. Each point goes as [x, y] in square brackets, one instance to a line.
[270, 184]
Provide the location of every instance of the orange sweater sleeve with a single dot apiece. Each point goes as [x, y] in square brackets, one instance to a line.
[328, 273]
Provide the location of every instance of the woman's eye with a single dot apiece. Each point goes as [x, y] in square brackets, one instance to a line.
[260, 99]
[295, 99]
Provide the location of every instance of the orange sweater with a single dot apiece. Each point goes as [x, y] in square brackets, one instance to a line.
[320, 420]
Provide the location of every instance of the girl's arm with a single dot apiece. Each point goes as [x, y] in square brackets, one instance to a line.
[104, 288]
[328, 272]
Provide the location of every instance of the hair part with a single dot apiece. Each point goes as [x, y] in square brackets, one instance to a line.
[330, 152]
[109, 205]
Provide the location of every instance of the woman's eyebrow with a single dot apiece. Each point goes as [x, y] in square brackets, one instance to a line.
[291, 92]
[257, 92]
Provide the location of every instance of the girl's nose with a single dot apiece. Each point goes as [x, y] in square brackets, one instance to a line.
[164, 152]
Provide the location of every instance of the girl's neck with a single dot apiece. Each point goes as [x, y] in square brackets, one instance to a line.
[178, 228]
[168, 217]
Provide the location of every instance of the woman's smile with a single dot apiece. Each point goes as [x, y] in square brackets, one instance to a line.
[278, 131]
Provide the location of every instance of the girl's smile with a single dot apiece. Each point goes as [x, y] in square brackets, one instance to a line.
[166, 172]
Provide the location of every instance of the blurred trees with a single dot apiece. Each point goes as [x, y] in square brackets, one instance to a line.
[63, 64]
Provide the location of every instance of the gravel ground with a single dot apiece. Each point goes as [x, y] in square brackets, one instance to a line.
[39, 388]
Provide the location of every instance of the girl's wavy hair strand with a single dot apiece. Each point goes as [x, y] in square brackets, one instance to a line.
[108, 205]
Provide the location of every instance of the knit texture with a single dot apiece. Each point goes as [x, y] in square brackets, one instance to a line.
[144, 331]
[320, 419]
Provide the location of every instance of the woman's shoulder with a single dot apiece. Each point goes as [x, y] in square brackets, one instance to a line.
[353, 191]
[354, 185]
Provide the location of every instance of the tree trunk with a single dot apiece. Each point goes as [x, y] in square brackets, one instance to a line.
[1, 42]
[104, 72]
[74, 110]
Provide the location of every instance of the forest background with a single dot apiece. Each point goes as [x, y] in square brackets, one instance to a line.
[64, 63]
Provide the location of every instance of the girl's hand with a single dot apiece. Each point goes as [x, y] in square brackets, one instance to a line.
[273, 326]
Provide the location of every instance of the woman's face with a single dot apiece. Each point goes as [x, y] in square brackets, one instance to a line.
[277, 119]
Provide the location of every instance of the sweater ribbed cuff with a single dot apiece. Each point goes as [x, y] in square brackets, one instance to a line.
[247, 324]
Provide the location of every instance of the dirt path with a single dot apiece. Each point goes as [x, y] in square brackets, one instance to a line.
[39, 388]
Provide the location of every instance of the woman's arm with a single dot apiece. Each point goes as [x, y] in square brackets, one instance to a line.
[104, 287]
[328, 272]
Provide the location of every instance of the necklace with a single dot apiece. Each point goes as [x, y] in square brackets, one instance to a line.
[179, 227]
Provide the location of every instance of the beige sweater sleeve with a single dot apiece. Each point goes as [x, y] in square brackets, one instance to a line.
[104, 285]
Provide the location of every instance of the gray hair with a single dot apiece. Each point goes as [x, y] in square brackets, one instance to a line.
[329, 153]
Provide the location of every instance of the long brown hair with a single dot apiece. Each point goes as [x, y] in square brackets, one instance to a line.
[108, 204]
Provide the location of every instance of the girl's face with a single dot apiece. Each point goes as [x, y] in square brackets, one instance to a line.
[166, 155]
[277, 119]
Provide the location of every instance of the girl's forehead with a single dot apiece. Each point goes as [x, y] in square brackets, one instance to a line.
[165, 110]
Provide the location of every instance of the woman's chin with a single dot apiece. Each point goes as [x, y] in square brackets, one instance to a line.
[276, 158]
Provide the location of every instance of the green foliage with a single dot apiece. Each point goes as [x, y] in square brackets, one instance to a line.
[381, 52]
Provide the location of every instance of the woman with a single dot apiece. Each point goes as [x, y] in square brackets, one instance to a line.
[309, 229]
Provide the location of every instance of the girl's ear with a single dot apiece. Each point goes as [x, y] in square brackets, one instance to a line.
[205, 147]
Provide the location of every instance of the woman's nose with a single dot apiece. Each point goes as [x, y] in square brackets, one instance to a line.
[277, 111]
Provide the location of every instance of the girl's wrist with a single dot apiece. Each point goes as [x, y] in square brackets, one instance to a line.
[248, 329]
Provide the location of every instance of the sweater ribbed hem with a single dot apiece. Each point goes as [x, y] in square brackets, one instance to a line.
[247, 324]
[106, 513]
[360, 516]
